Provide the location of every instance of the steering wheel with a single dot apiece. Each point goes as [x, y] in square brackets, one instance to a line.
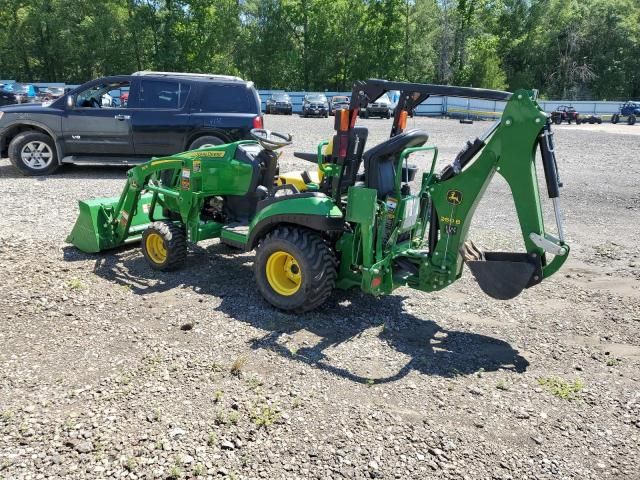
[95, 103]
[270, 140]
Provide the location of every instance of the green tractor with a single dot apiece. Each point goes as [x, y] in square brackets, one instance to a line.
[354, 220]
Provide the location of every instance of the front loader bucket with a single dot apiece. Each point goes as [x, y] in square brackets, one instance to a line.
[503, 275]
[96, 229]
[93, 231]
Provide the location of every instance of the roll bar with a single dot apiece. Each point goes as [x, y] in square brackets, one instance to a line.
[412, 95]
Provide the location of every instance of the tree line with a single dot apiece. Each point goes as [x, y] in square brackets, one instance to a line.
[565, 48]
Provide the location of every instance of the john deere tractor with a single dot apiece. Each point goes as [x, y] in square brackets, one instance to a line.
[353, 219]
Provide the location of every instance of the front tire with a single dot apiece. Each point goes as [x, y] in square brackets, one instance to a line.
[164, 245]
[631, 120]
[615, 119]
[295, 269]
[33, 153]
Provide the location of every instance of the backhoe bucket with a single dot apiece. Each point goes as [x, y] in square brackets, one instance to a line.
[96, 229]
[503, 275]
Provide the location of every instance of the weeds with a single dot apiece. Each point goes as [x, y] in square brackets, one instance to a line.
[218, 396]
[75, 284]
[131, 464]
[198, 470]
[562, 388]
[238, 365]
[612, 362]
[212, 439]
[502, 385]
[265, 417]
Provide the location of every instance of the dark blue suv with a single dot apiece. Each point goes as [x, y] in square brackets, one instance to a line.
[162, 113]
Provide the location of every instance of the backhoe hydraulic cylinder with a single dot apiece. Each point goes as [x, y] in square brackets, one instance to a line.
[549, 162]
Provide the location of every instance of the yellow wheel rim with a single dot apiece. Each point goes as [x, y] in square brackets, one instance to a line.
[283, 273]
[155, 248]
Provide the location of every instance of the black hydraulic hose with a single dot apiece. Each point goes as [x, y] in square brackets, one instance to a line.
[549, 162]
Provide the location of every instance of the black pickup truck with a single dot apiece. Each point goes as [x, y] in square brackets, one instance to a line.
[127, 119]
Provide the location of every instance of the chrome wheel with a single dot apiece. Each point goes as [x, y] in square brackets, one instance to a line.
[36, 155]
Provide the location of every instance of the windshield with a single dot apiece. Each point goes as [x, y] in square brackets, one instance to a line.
[340, 99]
[280, 97]
[383, 99]
[317, 98]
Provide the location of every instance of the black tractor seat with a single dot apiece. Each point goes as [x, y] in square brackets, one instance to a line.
[380, 161]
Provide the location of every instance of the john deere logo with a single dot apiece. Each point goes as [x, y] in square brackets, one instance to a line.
[454, 197]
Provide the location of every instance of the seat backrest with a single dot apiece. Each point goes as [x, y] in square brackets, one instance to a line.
[357, 141]
[380, 161]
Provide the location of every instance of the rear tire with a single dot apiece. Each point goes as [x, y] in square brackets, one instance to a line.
[557, 120]
[615, 119]
[33, 153]
[206, 141]
[164, 245]
[295, 269]
[631, 120]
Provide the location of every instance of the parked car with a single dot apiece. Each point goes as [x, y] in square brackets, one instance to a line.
[382, 108]
[47, 94]
[279, 103]
[338, 103]
[630, 110]
[7, 97]
[25, 93]
[315, 105]
[588, 118]
[565, 113]
[166, 113]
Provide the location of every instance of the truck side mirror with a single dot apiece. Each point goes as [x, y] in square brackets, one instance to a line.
[70, 101]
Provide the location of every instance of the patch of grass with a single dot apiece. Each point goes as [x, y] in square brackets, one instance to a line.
[612, 362]
[175, 472]
[218, 396]
[221, 418]
[297, 402]
[216, 367]
[293, 350]
[238, 365]
[131, 464]
[502, 385]
[212, 439]
[562, 388]
[198, 470]
[233, 418]
[75, 284]
[7, 415]
[370, 382]
[254, 383]
[265, 417]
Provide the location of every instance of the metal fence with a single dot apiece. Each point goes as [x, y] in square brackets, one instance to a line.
[456, 106]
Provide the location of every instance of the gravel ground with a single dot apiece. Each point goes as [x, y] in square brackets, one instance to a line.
[111, 370]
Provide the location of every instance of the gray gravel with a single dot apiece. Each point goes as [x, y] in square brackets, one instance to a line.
[111, 370]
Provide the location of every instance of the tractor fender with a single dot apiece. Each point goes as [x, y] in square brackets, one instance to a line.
[311, 210]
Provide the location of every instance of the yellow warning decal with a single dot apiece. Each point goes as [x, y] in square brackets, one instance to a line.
[214, 153]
